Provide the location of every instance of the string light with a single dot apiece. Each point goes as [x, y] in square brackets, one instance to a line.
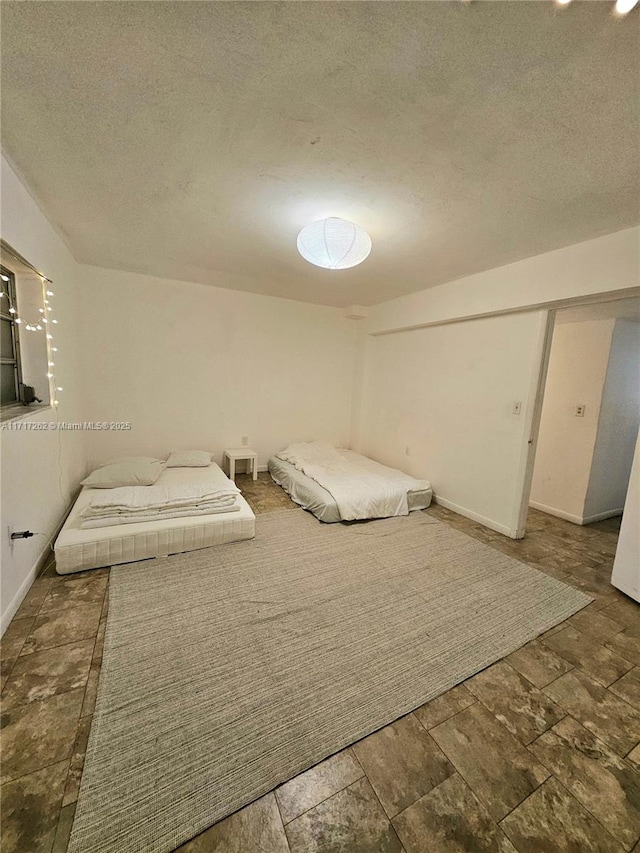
[54, 388]
[42, 324]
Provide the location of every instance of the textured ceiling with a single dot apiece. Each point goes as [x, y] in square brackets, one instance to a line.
[194, 140]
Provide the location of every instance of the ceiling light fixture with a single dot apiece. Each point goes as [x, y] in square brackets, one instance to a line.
[623, 7]
[334, 243]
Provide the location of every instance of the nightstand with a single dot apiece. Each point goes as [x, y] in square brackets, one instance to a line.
[233, 454]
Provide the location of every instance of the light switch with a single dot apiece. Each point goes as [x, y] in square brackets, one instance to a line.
[580, 411]
[517, 408]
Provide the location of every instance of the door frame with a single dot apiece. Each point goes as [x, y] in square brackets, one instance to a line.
[533, 414]
[535, 400]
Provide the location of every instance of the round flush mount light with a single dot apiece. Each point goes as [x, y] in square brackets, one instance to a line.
[334, 243]
[623, 7]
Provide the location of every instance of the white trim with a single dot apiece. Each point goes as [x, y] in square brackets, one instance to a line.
[20, 411]
[576, 519]
[25, 586]
[602, 516]
[474, 516]
[548, 305]
[532, 414]
[34, 571]
[559, 513]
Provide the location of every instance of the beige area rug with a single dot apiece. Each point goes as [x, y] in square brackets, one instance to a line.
[229, 670]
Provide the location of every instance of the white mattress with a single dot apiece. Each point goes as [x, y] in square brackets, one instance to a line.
[77, 549]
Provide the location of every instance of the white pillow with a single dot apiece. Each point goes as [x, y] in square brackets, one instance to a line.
[131, 471]
[189, 459]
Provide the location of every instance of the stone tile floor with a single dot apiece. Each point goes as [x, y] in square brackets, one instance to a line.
[537, 753]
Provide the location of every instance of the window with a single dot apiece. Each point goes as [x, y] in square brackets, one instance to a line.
[26, 363]
[9, 341]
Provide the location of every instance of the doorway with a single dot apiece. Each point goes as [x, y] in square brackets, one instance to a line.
[588, 413]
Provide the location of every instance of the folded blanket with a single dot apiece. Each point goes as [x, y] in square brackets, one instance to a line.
[108, 521]
[216, 503]
[211, 487]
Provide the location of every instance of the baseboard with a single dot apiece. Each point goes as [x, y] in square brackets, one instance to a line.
[575, 519]
[474, 516]
[18, 598]
[559, 513]
[602, 516]
[32, 574]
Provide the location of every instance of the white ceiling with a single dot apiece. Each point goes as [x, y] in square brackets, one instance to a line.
[194, 140]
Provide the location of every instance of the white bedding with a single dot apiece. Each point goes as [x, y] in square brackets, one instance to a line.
[78, 548]
[360, 487]
[137, 518]
[207, 490]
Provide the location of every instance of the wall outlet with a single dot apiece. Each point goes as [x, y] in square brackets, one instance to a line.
[245, 440]
[517, 407]
[407, 451]
[580, 411]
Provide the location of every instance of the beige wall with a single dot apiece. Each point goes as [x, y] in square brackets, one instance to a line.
[447, 394]
[40, 469]
[576, 376]
[194, 366]
[582, 464]
[610, 263]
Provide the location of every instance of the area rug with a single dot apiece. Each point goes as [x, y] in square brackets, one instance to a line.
[229, 670]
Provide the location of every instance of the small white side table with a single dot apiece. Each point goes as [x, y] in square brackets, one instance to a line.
[233, 454]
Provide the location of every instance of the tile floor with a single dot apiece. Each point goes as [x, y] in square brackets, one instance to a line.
[537, 753]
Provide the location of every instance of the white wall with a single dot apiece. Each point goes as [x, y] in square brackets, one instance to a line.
[40, 469]
[626, 566]
[607, 265]
[576, 375]
[617, 425]
[193, 366]
[603, 265]
[447, 393]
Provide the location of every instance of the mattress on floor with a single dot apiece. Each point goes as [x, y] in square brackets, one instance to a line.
[309, 494]
[77, 549]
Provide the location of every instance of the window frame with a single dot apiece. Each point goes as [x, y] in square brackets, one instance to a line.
[16, 361]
